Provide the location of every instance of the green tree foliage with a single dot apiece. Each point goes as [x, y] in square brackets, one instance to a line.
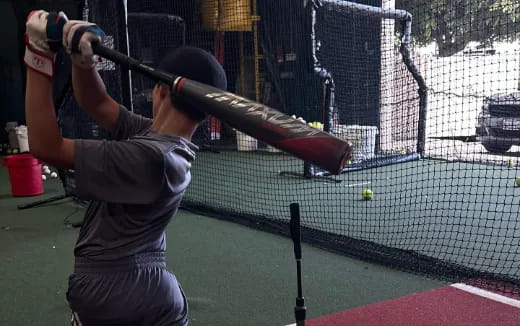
[452, 24]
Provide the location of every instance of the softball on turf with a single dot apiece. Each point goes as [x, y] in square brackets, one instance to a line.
[54, 175]
[44, 177]
[367, 194]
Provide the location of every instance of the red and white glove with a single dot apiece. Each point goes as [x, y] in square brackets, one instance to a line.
[77, 39]
[43, 36]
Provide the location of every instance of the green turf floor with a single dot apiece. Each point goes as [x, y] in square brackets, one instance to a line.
[233, 275]
[458, 212]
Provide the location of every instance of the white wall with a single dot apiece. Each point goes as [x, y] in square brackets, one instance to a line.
[387, 77]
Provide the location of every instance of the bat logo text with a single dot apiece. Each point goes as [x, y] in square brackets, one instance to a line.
[264, 112]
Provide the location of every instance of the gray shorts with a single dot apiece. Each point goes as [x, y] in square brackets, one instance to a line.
[135, 291]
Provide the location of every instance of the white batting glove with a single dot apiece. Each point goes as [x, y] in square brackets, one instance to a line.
[77, 39]
[42, 38]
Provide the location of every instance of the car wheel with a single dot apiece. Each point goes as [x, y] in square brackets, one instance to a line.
[498, 148]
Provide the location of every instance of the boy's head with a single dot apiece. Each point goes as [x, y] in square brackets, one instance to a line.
[195, 64]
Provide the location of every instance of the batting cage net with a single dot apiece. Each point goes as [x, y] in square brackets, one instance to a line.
[73, 121]
[426, 91]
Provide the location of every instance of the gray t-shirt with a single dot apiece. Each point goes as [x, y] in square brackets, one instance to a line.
[135, 181]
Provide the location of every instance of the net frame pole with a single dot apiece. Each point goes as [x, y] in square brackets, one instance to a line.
[405, 19]
[309, 170]
[127, 74]
[328, 81]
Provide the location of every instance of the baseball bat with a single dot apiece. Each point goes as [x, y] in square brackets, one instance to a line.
[254, 119]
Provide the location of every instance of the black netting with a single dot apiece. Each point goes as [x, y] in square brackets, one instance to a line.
[434, 117]
[151, 36]
[74, 122]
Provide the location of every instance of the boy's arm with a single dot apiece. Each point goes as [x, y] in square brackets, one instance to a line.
[91, 95]
[89, 88]
[45, 140]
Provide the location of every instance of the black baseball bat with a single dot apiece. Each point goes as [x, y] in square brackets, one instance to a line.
[254, 119]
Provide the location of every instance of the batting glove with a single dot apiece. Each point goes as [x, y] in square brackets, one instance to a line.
[77, 38]
[43, 36]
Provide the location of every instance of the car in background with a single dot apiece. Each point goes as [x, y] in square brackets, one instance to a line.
[498, 126]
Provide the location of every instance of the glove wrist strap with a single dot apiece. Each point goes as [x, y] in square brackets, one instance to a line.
[39, 61]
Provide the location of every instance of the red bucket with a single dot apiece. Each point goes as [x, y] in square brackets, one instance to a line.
[25, 175]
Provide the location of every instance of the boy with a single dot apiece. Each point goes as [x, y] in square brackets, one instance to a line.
[135, 180]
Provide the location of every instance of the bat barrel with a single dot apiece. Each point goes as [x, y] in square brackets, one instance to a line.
[268, 125]
[255, 119]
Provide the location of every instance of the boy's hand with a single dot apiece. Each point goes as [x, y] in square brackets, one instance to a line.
[77, 38]
[44, 31]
